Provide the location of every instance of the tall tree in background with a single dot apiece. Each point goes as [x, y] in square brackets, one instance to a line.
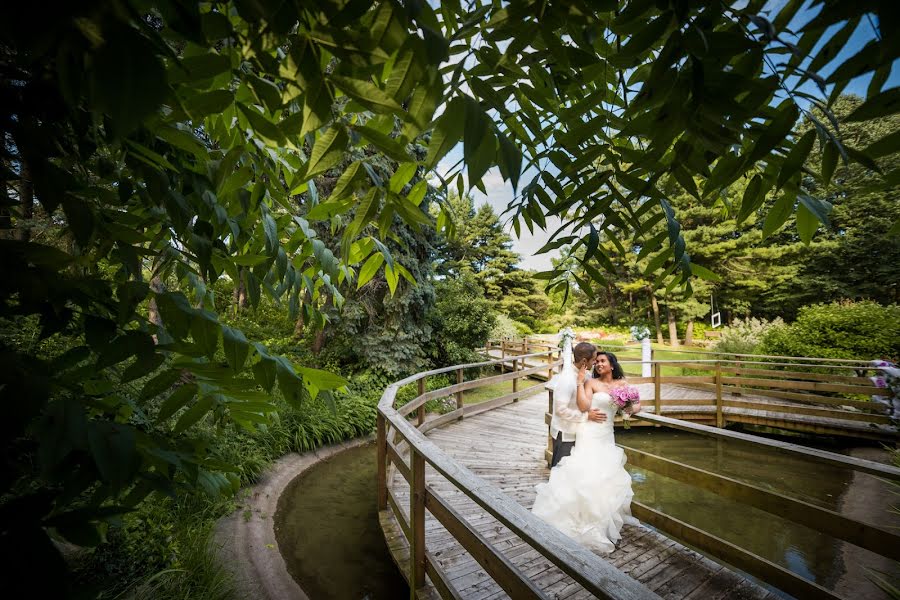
[858, 256]
[482, 248]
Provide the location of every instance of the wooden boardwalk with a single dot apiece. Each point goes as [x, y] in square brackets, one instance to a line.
[505, 447]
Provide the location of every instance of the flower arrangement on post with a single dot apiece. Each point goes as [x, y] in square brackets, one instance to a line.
[624, 398]
[566, 334]
[639, 333]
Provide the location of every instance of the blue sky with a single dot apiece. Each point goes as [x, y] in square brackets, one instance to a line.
[500, 194]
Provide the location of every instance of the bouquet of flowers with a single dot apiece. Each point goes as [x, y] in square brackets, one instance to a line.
[623, 398]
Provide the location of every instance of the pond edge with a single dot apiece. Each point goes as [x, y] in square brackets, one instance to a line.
[245, 542]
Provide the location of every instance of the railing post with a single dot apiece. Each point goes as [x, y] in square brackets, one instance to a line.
[720, 417]
[657, 388]
[421, 411]
[502, 355]
[417, 524]
[381, 444]
[550, 366]
[516, 370]
[549, 452]
[737, 386]
[459, 395]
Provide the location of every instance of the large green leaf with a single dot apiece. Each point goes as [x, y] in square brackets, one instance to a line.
[176, 400]
[779, 213]
[236, 348]
[264, 128]
[327, 152]
[368, 94]
[448, 131]
[128, 80]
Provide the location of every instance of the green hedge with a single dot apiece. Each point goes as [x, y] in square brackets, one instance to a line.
[855, 330]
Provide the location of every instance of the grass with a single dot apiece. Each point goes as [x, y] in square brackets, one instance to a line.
[633, 352]
[489, 392]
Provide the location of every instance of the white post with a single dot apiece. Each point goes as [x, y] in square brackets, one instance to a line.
[645, 357]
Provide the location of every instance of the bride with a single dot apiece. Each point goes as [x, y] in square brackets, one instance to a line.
[588, 496]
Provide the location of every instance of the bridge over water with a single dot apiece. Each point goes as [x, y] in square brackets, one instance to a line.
[455, 490]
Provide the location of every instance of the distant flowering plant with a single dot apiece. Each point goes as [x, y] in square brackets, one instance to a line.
[888, 379]
[639, 333]
[623, 398]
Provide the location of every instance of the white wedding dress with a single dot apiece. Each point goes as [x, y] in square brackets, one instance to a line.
[588, 496]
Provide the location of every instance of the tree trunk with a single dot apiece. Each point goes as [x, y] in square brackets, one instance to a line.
[613, 313]
[673, 328]
[319, 342]
[298, 326]
[156, 285]
[655, 305]
[689, 333]
[26, 199]
[240, 298]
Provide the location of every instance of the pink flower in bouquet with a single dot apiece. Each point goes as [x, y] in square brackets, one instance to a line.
[623, 397]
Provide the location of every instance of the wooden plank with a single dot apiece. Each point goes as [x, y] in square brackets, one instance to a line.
[398, 461]
[417, 523]
[801, 375]
[766, 570]
[720, 417]
[453, 415]
[474, 409]
[809, 410]
[494, 563]
[857, 464]
[814, 386]
[682, 379]
[816, 518]
[818, 399]
[398, 514]
[443, 586]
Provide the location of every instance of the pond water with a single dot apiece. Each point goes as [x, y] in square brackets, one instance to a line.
[328, 532]
[832, 563]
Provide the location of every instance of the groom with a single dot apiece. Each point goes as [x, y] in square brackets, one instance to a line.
[566, 415]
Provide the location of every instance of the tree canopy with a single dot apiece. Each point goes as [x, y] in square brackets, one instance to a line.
[163, 141]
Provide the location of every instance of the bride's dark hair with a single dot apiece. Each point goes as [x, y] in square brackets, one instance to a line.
[617, 372]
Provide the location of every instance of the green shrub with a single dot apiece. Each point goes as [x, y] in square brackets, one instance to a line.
[745, 337]
[504, 328]
[461, 321]
[855, 330]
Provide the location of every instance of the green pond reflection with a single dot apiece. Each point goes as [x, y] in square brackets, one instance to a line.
[834, 564]
[328, 532]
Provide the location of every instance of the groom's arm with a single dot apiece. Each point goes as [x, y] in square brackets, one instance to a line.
[562, 410]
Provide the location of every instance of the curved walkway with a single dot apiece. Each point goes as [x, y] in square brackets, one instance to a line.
[505, 446]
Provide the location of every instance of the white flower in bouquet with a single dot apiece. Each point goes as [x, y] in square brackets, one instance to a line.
[639, 333]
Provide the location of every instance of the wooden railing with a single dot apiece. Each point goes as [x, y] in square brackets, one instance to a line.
[526, 344]
[865, 535]
[814, 395]
[394, 430]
